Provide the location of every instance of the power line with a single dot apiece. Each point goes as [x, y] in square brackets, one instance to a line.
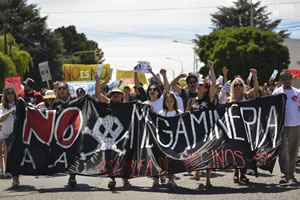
[150, 9]
[132, 10]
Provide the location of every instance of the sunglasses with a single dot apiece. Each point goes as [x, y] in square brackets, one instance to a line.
[153, 89]
[62, 88]
[192, 82]
[238, 85]
[203, 85]
[10, 93]
[286, 78]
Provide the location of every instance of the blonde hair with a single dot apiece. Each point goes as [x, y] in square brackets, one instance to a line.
[232, 94]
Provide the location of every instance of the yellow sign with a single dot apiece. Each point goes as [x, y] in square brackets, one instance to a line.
[130, 74]
[79, 72]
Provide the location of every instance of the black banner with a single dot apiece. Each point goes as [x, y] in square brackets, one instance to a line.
[129, 140]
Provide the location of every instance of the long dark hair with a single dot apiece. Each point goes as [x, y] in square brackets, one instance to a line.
[172, 95]
[158, 89]
[4, 100]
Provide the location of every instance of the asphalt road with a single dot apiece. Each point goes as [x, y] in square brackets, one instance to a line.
[264, 187]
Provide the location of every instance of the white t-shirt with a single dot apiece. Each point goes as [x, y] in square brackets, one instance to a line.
[292, 111]
[157, 105]
[2, 112]
[179, 101]
[169, 114]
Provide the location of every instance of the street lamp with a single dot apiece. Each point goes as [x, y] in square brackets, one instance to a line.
[195, 68]
[178, 61]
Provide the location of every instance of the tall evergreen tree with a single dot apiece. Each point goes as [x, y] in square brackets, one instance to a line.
[30, 30]
[77, 42]
[239, 15]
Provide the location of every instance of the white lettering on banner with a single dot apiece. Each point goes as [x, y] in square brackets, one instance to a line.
[272, 115]
[29, 160]
[146, 139]
[181, 131]
[84, 74]
[62, 159]
[217, 118]
[169, 132]
[202, 117]
[135, 113]
[250, 123]
[232, 117]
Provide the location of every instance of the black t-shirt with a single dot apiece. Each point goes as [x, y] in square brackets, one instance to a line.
[186, 95]
[202, 104]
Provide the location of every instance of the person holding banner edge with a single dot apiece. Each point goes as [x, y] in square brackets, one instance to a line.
[7, 116]
[204, 100]
[238, 93]
[290, 143]
[116, 95]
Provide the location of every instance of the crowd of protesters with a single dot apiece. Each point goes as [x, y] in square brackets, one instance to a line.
[167, 99]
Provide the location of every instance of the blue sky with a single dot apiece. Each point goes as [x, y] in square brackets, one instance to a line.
[133, 30]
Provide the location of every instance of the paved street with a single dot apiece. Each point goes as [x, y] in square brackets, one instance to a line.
[264, 187]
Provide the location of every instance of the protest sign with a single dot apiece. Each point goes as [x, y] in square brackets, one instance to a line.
[15, 81]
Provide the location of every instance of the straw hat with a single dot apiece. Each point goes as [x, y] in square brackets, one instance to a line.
[49, 94]
[116, 90]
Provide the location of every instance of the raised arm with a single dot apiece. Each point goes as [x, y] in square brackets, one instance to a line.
[136, 79]
[175, 81]
[253, 91]
[101, 97]
[225, 72]
[163, 72]
[156, 78]
[212, 88]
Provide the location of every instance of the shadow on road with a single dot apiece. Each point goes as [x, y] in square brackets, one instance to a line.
[249, 188]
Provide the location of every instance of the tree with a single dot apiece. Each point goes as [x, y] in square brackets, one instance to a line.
[77, 42]
[16, 63]
[31, 33]
[241, 49]
[239, 15]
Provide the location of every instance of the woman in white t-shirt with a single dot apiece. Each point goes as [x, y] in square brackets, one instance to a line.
[7, 112]
[154, 94]
[170, 109]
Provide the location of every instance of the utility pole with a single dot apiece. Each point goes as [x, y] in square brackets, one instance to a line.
[251, 14]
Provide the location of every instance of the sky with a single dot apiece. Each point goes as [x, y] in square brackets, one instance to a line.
[129, 31]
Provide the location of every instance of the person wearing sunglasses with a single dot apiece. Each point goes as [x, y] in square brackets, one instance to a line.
[190, 91]
[203, 101]
[63, 94]
[29, 94]
[63, 99]
[80, 92]
[239, 93]
[290, 143]
[7, 117]
[49, 99]
[154, 93]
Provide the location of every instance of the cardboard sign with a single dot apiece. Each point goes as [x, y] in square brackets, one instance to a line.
[45, 72]
[142, 67]
[15, 81]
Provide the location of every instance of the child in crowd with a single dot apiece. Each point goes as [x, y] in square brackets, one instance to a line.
[170, 109]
